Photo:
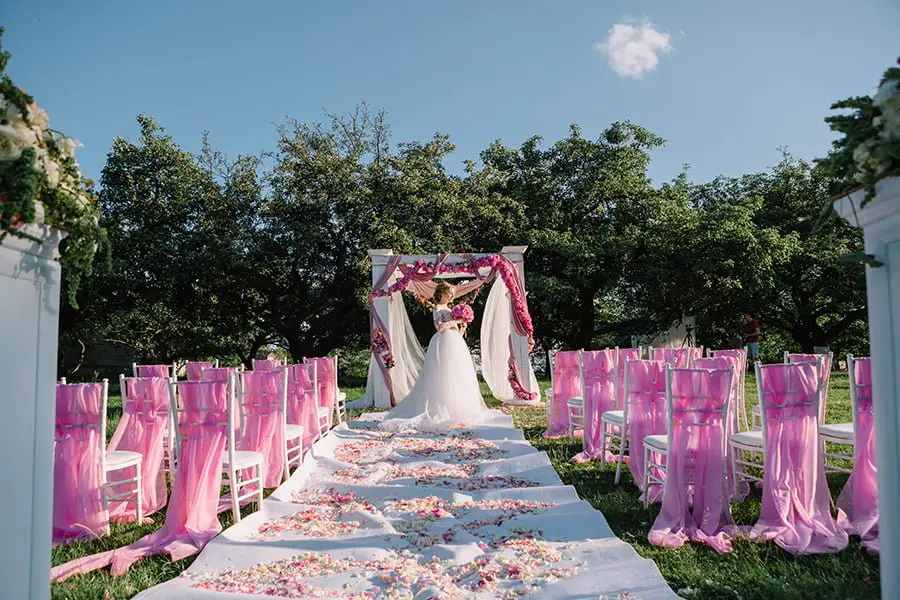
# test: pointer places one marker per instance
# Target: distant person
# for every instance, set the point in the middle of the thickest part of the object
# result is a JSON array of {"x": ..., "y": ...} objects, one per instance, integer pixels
[{"x": 751, "y": 337}]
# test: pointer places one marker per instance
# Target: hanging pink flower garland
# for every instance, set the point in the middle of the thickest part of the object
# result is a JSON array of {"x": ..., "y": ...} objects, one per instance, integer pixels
[{"x": 504, "y": 267}]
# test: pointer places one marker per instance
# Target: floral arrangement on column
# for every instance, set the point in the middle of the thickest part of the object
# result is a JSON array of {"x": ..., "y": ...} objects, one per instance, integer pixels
[
  {"x": 382, "y": 348},
  {"x": 871, "y": 136},
  {"x": 37, "y": 165}
]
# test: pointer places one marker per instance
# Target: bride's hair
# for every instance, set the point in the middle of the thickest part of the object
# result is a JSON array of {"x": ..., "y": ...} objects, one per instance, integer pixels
[{"x": 440, "y": 290}]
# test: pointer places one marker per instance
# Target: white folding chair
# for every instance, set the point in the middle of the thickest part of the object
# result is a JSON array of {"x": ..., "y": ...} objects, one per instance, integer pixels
[
  {"x": 117, "y": 460},
  {"x": 842, "y": 433},
  {"x": 575, "y": 405},
  {"x": 754, "y": 440}
]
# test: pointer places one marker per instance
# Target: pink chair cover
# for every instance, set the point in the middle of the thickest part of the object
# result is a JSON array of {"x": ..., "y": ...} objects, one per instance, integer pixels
[
  {"x": 142, "y": 429},
  {"x": 191, "y": 517},
  {"x": 739, "y": 403},
  {"x": 327, "y": 384},
  {"x": 733, "y": 425},
  {"x": 858, "y": 501},
  {"x": 195, "y": 369},
  {"x": 679, "y": 358},
  {"x": 154, "y": 370},
  {"x": 824, "y": 375},
  {"x": 598, "y": 369},
  {"x": 566, "y": 385},
  {"x": 796, "y": 505},
  {"x": 302, "y": 408},
  {"x": 695, "y": 502},
  {"x": 78, "y": 510},
  {"x": 646, "y": 397},
  {"x": 622, "y": 355},
  {"x": 266, "y": 365},
  {"x": 264, "y": 422}
]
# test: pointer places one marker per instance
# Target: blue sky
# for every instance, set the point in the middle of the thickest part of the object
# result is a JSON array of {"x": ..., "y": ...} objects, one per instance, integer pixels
[{"x": 732, "y": 83}]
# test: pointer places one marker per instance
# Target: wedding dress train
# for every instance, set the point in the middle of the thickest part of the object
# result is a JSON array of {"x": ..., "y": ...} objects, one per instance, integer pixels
[{"x": 446, "y": 393}]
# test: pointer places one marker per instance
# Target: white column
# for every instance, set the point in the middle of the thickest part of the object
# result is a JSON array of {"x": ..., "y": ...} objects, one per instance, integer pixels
[
  {"x": 516, "y": 254},
  {"x": 29, "y": 323},
  {"x": 880, "y": 220},
  {"x": 378, "y": 394}
]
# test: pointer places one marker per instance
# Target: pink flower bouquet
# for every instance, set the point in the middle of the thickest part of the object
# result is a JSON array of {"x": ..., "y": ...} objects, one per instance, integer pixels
[{"x": 462, "y": 312}]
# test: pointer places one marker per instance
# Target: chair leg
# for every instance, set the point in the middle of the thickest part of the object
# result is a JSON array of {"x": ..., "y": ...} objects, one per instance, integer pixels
[
  {"x": 259, "y": 486},
  {"x": 233, "y": 489},
  {"x": 736, "y": 470},
  {"x": 287, "y": 467},
  {"x": 621, "y": 458},
  {"x": 139, "y": 495},
  {"x": 646, "y": 477}
]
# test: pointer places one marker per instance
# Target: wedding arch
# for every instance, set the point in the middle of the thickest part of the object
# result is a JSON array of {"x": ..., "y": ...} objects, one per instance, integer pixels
[{"x": 507, "y": 333}]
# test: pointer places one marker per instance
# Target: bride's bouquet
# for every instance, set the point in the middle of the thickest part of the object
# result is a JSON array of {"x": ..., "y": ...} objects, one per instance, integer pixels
[{"x": 462, "y": 312}]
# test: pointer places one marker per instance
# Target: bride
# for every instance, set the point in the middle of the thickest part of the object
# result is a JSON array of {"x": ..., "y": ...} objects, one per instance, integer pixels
[{"x": 446, "y": 392}]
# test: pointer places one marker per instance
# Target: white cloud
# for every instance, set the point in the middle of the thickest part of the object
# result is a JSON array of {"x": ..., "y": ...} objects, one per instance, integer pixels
[{"x": 634, "y": 48}]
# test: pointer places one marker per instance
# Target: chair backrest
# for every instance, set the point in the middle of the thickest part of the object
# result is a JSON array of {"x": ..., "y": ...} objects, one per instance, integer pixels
[
  {"x": 645, "y": 385},
  {"x": 825, "y": 362},
  {"x": 266, "y": 365},
  {"x": 598, "y": 370},
  {"x": 567, "y": 374},
  {"x": 79, "y": 468},
  {"x": 860, "y": 376},
  {"x": 302, "y": 383},
  {"x": 699, "y": 397},
  {"x": 264, "y": 407},
  {"x": 788, "y": 392},
  {"x": 201, "y": 410},
  {"x": 154, "y": 370},
  {"x": 195, "y": 369},
  {"x": 681, "y": 358},
  {"x": 622, "y": 356}
]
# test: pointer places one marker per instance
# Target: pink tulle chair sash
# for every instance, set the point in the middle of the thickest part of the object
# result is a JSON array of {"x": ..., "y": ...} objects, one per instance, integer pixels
[
  {"x": 646, "y": 413},
  {"x": 681, "y": 358},
  {"x": 566, "y": 385},
  {"x": 796, "y": 503},
  {"x": 599, "y": 380},
  {"x": 264, "y": 418},
  {"x": 858, "y": 501},
  {"x": 302, "y": 407},
  {"x": 327, "y": 381},
  {"x": 695, "y": 504},
  {"x": 266, "y": 365},
  {"x": 195, "y": 369},
  {"x": 142, "y": 429},
  {"x": 78, "y": 478},
  {"x": 154, "y": 370}
]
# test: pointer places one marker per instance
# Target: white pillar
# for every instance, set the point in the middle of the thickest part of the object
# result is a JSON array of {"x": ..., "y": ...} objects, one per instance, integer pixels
[
  {"x": 516, "y": 254},
  {"x": 880, "y": 220},
  {"x": 378, "y": 394},
  {"x": 29, "y": 323}
]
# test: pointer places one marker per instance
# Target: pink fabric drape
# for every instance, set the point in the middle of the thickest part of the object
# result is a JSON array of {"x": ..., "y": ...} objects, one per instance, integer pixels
[
  {"x": 191, "y": 517},
  {"x": 264, "y": 420},
  {"x": 824, "y": 375},
  {"x": 622, "y": 355},
  {"x": 679, "y": 358},
  {"x": 646, "y": 397},
  {"x": 142, "y": 429},
  {"x": 78, "y": 507},
  {"x": 796, "y": 504},
  {"x": 739, "y": 402},
  {"x": 266, "y": 365},
  {"x": 566, "y": 385},
  {"x": 733, "y": 425},
  {"x": 154, "y": 370},
  {"x": 301, "y": 401},
  {"x": 858, "y": 501},
  {"x": 695, "y": 502},
  {"x": 327, "y": 381},
  {"x": 195, "y": 369},
  {"x": 217, "y": 374},
  {"x": 598, "y": 369}
]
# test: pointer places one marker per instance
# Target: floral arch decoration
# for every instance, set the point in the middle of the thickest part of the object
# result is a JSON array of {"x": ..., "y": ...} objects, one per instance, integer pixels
[{"x": 507, "y": 332}]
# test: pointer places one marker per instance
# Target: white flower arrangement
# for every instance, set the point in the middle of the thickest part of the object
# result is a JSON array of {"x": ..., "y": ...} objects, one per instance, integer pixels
[{"x": 37, "y": 165}]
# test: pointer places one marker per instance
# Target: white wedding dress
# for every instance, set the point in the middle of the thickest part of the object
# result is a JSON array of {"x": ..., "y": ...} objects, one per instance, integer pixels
[{"x": 446, "y": 393}]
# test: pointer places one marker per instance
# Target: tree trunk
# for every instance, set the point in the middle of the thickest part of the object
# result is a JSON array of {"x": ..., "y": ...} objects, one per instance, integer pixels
[{"x": 585, "y": 334}]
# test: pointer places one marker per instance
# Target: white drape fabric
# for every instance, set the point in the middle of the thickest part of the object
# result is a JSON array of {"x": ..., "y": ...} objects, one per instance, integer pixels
[{"x": 496, "y": 326}]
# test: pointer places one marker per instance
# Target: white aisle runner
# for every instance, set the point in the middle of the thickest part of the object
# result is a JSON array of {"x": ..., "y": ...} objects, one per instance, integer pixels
[{"x": 475, "y": 513}]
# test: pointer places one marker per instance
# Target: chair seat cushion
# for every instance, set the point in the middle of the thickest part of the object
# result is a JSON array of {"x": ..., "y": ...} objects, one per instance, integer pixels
[
  {"x": 244, "y": 459},
  {"x": 749, "y": 438},
  {"x": 292, "y": 432},
  {"x": 575, "y": 402},
  {"x": 613, "y": 416},
  {"x": 658, "y": 442},
  {"x": 119, "y": 459},
  {"x": 843, "y": 431}
]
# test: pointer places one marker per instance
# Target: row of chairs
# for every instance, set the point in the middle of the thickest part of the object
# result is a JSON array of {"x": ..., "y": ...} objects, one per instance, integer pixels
[{"x": 279, "y": 411}]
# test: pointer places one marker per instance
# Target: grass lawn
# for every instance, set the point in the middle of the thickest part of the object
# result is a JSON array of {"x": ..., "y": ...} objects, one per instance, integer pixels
[{"x": 752, "y": 571}]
